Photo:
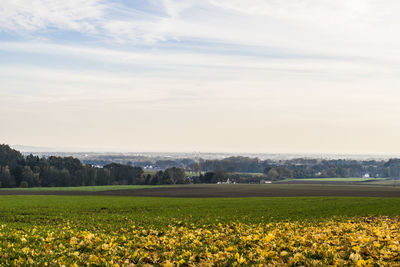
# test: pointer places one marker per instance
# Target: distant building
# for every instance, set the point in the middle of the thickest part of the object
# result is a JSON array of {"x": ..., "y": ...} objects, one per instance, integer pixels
[{"x": 227, "y": 182}]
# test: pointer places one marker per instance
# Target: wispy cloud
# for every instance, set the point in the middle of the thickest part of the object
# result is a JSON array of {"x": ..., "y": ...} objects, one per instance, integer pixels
[
  {"x": 321, "y": 27},
  {"x": 314, "y": 67},
  {"x": 226, "y": 63},
  {"x": 34, "y": 15}
]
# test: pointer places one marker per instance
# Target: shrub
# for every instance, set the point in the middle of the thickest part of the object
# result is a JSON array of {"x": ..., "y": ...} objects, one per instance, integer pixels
[{"x": 24, "y": 184}]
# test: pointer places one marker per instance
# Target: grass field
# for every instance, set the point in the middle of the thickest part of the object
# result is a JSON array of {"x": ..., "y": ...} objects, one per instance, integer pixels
[
  {"x": 96, "y": 230},
  {"x": 350, "y": 179},
  {"x": 92, "y": 211},
  {"x": 97, "y": 188}
]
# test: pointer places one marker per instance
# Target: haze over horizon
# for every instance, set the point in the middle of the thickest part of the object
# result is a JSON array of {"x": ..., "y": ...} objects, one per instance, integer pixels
[
  {"x": 83, "y": 152},
  {"x": 208, "y": 75}
]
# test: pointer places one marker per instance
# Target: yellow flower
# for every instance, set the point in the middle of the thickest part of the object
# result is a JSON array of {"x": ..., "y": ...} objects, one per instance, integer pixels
[
  {"x": 168, "y": 264},
  {"x": 94, "y": 259}
]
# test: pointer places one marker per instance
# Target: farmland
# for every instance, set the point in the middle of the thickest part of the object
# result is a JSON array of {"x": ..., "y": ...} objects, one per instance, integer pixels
[
  {"x": 304, "y": 189},
  {"x": 98, "y": 188},
  {"x": 336, "y": 179},
  {"x": 94, "y": 228}
]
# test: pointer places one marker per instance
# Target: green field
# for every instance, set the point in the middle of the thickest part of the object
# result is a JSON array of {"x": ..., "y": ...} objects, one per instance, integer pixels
[
  {"x": 100, "y": 230},
  {"x": 114, "y": 212},
  {"x": 97, "y": 188},
  {"x": 350, "y": 179}
]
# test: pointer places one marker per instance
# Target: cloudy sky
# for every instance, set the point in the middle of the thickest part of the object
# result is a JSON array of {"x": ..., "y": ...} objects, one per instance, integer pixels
[{"x": 201, "y": 75}]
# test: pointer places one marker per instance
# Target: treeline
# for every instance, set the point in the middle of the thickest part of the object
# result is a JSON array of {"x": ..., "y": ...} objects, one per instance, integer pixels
[
  {"x": 250, "y": 170},
  {"x": 32, "y": 171},
  {"x": 17, "y": 170},
  {"x": 221, "y": 176},
  {"x": 302, "y": 167},
  {"x": 275, "y": 169}
]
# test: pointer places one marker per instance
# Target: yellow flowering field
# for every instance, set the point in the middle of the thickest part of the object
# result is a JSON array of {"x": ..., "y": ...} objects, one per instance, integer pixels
[{"x": 364, "y": 241}]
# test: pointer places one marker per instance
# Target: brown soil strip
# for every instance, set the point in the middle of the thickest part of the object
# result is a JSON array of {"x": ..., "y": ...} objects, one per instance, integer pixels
[
  {"x": 202, "y": 192},
  {"x": 232, "y": 191}
]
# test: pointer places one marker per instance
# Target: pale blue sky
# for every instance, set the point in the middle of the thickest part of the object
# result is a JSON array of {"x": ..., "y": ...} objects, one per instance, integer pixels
[{"x": 204, "y": 75}]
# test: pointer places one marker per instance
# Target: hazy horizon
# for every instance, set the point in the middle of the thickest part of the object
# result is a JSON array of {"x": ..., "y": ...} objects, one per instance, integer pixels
[
  {"x": 82, "y": 152},
  {"x": 255, "y": 76}
]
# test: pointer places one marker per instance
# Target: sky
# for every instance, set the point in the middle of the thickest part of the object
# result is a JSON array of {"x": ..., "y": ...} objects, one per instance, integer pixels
[{"x": 293, "y": 76}]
